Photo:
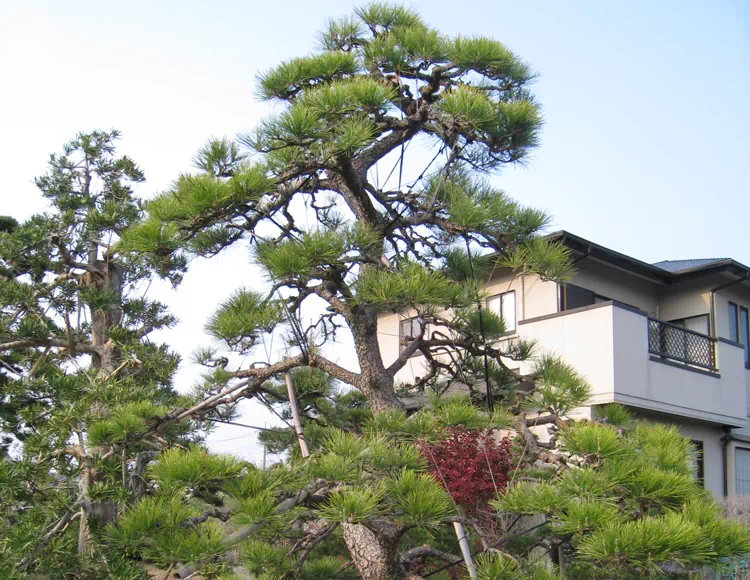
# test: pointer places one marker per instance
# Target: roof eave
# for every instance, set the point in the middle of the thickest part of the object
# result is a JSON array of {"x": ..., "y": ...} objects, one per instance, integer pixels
[{"x": 645, "y": 269}]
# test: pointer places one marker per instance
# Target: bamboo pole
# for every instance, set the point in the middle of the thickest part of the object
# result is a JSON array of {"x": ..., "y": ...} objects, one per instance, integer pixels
[
  {"x": 295, "y": 415},
  {"x": 463, "y": 543}
]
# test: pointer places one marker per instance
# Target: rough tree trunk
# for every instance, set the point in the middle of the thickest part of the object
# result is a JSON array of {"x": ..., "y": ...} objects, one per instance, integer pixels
[
  {"x": 375, "y": 556},
  {"x": 377, "y": 382},
  {"x": 109, "y": 278}
]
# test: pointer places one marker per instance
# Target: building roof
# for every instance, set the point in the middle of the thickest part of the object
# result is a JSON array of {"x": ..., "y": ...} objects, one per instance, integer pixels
[
  {"x": 665, "y": 272},
  {"x": 682, "y": 265}
]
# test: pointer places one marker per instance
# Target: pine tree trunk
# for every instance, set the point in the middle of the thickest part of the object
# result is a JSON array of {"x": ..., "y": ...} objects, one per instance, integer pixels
[
  {"x": 377, "y": 383},
  {"x": 374, "y": 556},
  {"x": 109, "y": 278}
]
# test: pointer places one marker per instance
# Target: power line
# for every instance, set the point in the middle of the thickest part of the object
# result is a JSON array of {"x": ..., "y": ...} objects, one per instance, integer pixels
[{"x": 243, "y": 425}]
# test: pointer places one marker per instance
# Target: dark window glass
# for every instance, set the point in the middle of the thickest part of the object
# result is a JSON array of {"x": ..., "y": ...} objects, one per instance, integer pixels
[
  {"x": 699, "y": 462},
  {"x": 577, "y": 297},
  {"x": 745, "y": 333},
  {"x": 733, "y": 329}
]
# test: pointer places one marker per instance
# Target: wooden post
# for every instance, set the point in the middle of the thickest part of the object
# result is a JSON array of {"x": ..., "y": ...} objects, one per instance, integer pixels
[{"x": 295, "y": 415}]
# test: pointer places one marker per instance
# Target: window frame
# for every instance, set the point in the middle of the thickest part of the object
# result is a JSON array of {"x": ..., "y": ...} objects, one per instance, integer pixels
[
  {"x": 564, "y": 297},
  {"x": 734, "y": 336},
  {"x": 743, "y": 450},
  {"x": 744, "y": 316},
  {"x": 737, "y": 315},
  {"x": 401, "y": 336},
  {"x": 501, "y": 295},
  {"x": 681, "y": 322}
]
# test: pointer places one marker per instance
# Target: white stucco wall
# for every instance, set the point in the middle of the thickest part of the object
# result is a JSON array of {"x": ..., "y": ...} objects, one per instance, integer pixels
[
  {"x": 609, "y": 346},
  {"x": 583, "y": 339},
  {"x": 616, "y": 285},
  {"x": 686, "y": 299},
  {"x": 740, "y": 295},
  {"x": 649, "y": 384},
  {"x": 713, "y": 463}
]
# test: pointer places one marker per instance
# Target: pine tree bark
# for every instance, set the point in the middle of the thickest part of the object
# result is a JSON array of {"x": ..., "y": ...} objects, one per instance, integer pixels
[
  {"x": 108, "y": 279},
  {"x": 376, "y": 381},
  {"x": 375, "y": 556}
]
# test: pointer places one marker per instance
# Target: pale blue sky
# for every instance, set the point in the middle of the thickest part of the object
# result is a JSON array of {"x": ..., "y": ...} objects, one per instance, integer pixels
[{"x": 646, "y": 147}]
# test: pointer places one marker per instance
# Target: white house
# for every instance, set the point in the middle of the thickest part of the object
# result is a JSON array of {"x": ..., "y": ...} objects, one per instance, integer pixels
[{"x": 669, "y": 340}]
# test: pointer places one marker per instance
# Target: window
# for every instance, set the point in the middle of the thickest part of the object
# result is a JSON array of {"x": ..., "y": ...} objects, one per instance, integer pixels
[
  {"x": 739, "y": 328},
  {"x": 684, "y": 346},
  {"x": 407, "y": 330},
  {"x": 698, "y": 465},
  {"x": 734, "y": 333},
  {"x": 576, "y": 297},
  {"x": 742, "y": 471},
  {"x": 505, "y": 306},
  {"x": 745, "y": 333},
  {"x": 694, "y": 323}
]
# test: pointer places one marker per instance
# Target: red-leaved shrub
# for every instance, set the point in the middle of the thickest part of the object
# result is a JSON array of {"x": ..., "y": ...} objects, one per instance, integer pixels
[{"x": 471, "y": 465}]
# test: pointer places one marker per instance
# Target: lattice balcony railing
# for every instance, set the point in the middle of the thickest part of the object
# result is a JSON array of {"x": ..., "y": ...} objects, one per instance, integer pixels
[{"x": 680, "y": 344}]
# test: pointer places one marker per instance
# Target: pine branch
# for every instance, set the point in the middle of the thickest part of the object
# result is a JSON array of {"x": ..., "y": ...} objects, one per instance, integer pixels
[
  {"x": 315, "y": 489},
  {"x": 50, "y": 342},
  {"x": 420, "y": 555},
  {"x": 309, "y": 547},
  {"x": 59, "y": 527},
  {"x": 136, "y": 482}
]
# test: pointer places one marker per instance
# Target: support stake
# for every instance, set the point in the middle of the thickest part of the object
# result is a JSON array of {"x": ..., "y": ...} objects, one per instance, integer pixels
[
  {"x": 465, "y": 551},
  {"x": 295, "y": 415}
]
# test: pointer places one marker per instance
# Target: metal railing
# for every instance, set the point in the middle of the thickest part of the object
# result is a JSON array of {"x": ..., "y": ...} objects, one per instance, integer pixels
[{"x": 680, "y": 344}]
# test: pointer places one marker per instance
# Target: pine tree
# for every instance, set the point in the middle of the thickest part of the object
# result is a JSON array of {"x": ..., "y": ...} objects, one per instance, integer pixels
[
  {"x": 80, "y": 378},
  {"x": 370, "y": 501},
  {"x": 380, "y": 81}
]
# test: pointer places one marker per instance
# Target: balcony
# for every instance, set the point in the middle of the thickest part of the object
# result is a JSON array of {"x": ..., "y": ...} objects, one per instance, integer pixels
[
  {"x": 632, "y": 359},
  {"x": 674, "y": 343}
]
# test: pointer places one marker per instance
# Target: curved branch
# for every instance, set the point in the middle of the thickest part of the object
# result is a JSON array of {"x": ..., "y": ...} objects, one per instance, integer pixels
[
  {"x": 49, "y": 342},
  {"x": 337, "y": 372},
  {"x": 420, "y": 554},
  {"x": 312, "y": 490}
]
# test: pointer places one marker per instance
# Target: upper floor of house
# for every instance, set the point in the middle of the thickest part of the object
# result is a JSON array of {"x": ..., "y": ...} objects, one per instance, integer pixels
[{"x": 670, "y": 337}]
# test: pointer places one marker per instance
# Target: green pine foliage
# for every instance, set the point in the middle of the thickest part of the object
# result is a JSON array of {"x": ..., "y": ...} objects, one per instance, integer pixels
[
  {"x": 383, "y": 78},
  {"x": 622, "y": 511},
  {"x": 81, "y": 383},
  {"x": 109, "y": 477}
]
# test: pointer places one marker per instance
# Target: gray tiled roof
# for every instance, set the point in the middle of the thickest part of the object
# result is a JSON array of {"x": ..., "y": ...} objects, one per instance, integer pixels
[{"x": 680, "y": 265}]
